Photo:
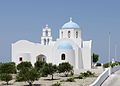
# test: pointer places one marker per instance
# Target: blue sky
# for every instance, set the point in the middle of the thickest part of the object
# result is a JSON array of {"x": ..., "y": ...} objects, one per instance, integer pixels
[{"x": 24, "y": 19}]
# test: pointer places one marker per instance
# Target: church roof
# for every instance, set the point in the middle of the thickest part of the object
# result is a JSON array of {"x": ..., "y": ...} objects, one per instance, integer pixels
[
  {"x": 70, "y": 25},
  {"x": 64, "y": 45}
]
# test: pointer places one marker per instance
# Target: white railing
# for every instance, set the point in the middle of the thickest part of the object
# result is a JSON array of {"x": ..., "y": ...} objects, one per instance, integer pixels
[
  {"x": 101, "y": 78},
  {"x": 114, "y": 69}
]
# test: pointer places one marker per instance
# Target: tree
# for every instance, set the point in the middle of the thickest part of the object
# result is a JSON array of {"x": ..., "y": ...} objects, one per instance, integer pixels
[
  {"x": 49, "y": 69},
  {"x": 5, "y": 77},
  {"x": 8, "y": 68},
  {"x": 95, "y": 57},
  {"x": 28, "y": 74},
  {"x": 39, "y": 65},
  {"x": 65, "y": 68},
  {"x": 24, "y": 65}
]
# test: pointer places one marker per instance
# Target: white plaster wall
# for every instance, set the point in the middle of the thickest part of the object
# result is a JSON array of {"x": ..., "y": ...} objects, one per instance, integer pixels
[
  {"x": 86, "y": 54},
  {"x": 69, "y": 56},
  {"x": 23, "y": 48},
  {"x": 25, "y": 57},
  {"x": 45, "y": 50},
  {"x": 65, "y": 33},
  {"x": 77, "y": 52}
]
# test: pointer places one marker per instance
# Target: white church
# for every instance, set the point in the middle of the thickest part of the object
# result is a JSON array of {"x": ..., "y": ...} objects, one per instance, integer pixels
[{"x": 69, "y": 47}]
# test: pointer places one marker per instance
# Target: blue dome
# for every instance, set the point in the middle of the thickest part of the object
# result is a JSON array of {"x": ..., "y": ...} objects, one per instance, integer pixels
[
  {"x": 64, "y": 45},
  {"x": 70, "y": 25}
]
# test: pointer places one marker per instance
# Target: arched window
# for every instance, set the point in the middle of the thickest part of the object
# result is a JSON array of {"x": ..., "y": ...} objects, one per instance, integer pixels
[
  {"x": 20, "y": 59},
  {"x": 68, "y": 34},
  {"x": 62, "y": 34},
  {"x": 44, "y": 41},
  {"x": 63, "y": 57},
  {"x": 41, "y": 58},
  {"x": 46, "y": 32},
  {"x": 47, "y": 41},
  {"x": 76, "y": 34}
]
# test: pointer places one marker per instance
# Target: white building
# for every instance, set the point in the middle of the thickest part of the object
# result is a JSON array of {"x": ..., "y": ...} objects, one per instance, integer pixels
[{"x": 69, "y": 47}]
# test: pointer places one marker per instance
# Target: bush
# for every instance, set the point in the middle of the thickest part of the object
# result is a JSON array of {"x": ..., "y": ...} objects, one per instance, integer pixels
[
  {"x": 98, "y": 64},
  {"x": 9, "y": 68},
  {"x": 62, "y": 80},
  {"x": 90, "y": 73},
  {"x": 39, "y": 65},
  {"x": 70, "y": 80},
  {"x": 23, "y": 65},
  {"x": 106, "y": 65},
  {"x": 65, "y": 68},
  {"x": 28, "y": 75},
  {"x": 5, "y": 77},
  {"x": 87, "y": 74},
  {"x": 79, "y": 77},
  {"x": 49, "y": 69},
  {"x": 56, "y": 84}
]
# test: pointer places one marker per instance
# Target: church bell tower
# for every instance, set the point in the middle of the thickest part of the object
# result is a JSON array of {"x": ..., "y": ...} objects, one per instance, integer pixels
[{"x": 46, "y": 36}]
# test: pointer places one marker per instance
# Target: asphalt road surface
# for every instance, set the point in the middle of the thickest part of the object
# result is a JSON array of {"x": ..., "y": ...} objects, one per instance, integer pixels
[{"x": 113, "y": 80}]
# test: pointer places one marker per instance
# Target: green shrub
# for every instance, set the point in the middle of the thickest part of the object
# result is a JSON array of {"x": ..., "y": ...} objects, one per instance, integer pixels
[
  {"x": 62, "y": 80},
  {"x": 90, "y": 73},
  {"x": 98, "y": 64},
  {"x": 87, "y": 74},
  {"x": 79, "y": 77},
  {"x": 56, "y": 84},
  {"x": 84, "y": 74},
  {"x": 113, "y": 64},
  {"x": 70, "y": 80},
  {"x": 106, "y": 65},
  {"x": 5, "y": 77}
]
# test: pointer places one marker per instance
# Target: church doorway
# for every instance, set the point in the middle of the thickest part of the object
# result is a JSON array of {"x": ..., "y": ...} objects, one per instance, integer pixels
[{"x": 41, "y": 57}]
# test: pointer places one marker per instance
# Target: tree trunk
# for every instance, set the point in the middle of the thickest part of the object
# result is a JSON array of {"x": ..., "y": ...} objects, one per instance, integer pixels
[
  {"x": 66, "y": 74},
  {"x": 52, "y": 76},
  {"x": 30, "y": 83},
  {"x": 7, "y": 82}
]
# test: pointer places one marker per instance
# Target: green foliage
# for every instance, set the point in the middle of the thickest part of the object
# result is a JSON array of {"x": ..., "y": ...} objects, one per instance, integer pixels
[
  {"x": 98, "y": 64},
  {"x": 49, "y": 69},
  {"x": 5, "y": 77},
  {"x": 80, "y": 77},
  {"x": 39, "y": 65},
  {"x": 65, "y": 68},
  {"x": 8, "y": 68},
  {"x": 95, "y": 57},
  {"x": 28, "y": 74},
  {"x": 70, "y": 80},
  {"x": 62, "y": 80},
  {"x": 106, "y": 65},
  {"x": 87, "y": 74},
  {"x": 56, "y": 84},
  {"x": 23, "y": 65}
]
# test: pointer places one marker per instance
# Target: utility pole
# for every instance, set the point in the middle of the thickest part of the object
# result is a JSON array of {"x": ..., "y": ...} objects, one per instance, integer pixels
[
  {"x": 109, "y": 53},
  {"x": 109, "y": 48},
  {"x": 115, "y": 58}
]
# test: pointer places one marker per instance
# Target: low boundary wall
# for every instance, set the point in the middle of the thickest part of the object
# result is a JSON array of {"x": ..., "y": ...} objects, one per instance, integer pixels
[{"x": 101, "y": 78}]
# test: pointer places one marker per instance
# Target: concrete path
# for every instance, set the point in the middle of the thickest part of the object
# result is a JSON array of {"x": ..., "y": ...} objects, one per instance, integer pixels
[{"x": 113, "y": 80}]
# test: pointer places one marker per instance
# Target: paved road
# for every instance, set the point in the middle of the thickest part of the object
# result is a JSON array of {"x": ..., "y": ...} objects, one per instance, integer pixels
[{"x": 113, "y": 80}]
